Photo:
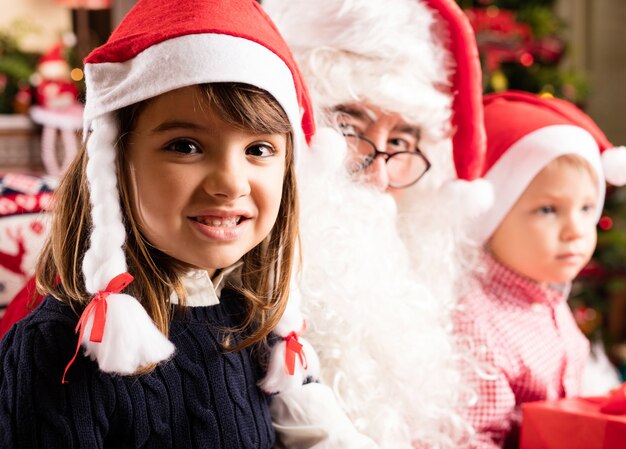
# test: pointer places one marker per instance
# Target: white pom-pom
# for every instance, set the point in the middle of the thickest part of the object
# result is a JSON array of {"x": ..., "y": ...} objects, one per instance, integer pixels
[
  {"x": 471, "y": 198},
  {"x": 130, "y": 340},
  {"x": 292, "y": 320},
  {"x": 614, "y": 165},
  {"x": 278, "y": 379},
  {"x": 329, "y": 146}
]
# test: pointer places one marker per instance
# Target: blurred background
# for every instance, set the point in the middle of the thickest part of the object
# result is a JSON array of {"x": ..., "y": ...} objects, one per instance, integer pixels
[{"x": 571, "y": 49}]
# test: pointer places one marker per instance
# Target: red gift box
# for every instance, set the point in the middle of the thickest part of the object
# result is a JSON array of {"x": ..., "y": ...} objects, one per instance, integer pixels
[{"x": 575, "y": 423}]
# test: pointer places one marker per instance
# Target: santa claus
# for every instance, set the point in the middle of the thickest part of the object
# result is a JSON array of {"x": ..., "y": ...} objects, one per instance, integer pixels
[{"x": 387, "y": 194}]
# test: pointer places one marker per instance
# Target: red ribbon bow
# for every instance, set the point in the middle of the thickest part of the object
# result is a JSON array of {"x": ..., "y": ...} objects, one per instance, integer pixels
[
  {"x": 616, "y": 403},
  {"x": 99, "y": 306},
  {"x": 293, "y": 348}
]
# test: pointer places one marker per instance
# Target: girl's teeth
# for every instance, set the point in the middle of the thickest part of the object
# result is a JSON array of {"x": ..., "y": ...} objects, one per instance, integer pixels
[{"x": 229, "y": 222}]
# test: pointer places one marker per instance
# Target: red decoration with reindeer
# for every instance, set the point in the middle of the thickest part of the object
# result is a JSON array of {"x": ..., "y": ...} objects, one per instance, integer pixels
[{"x": 24, "y": 201}]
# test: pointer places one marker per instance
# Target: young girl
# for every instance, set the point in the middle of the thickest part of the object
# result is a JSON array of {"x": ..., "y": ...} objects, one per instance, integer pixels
[
  {"x": 543, "y": 157},
  {"x": 172, "y": 242}
]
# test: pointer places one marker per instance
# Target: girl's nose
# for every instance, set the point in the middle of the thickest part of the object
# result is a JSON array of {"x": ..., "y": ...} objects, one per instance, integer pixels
[{"x": 227, "y": 177}]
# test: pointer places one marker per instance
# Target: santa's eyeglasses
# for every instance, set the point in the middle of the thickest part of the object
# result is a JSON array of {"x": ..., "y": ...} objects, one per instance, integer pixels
[{"x": 404, "y": 168}]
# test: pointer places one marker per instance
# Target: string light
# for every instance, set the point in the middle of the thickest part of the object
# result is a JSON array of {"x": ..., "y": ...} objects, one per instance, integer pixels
[
  {"x": 76, "y": 74},
  {"x": 499, "y": 81}
]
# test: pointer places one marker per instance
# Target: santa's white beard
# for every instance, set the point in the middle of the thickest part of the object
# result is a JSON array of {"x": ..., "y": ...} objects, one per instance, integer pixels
[
  {"x": 434, "y": 228},
  {"x": 383, "y": 339},
  {"x": 434, "y": 218}
]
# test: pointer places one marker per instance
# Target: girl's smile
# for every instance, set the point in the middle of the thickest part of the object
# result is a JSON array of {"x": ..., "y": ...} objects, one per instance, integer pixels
[{"x": 222, "y": 225}]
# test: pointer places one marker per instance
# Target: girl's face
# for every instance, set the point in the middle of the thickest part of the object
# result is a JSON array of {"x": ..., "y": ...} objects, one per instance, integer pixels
[
  {"x": 205, "y": 193},
  {"x": 550, "y": 233}
]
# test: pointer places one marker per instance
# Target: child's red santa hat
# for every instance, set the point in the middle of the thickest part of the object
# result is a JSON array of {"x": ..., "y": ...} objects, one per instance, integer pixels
[
  {"x": 161, "y": 46},
  {"x": 525, "y": 132},
  {"x": 406, "y": 56}
]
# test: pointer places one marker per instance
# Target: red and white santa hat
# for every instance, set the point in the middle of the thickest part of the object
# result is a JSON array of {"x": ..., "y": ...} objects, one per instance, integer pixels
[
  {"x": 53, "y": 55},
  {"x": 162, "y": 45},
  {"x": 415, "y": 57},
  {"x": 525, "y": 132}
]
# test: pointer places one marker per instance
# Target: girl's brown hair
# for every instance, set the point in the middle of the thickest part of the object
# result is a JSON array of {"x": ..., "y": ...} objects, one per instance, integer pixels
[{"x": 266, "y": 270}]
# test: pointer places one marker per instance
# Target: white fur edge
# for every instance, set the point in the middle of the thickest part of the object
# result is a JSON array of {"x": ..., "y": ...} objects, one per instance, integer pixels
[
  {"x": 328, "y": 144},
  {"x": 472, "y": 197},
  {"x": 130, "y": 340},
  {"x": 614, "y": 164},
  {"x": 186, "y": 61}
]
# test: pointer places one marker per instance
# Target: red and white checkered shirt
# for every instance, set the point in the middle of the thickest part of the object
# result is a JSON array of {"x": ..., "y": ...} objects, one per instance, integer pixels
[{"x": 527, "y": 343}]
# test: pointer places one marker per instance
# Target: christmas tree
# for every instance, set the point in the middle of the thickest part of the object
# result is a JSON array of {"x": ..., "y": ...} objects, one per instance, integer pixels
[
  {"x": 16, "y": 68},
  {"x": 521, "y": 47}
]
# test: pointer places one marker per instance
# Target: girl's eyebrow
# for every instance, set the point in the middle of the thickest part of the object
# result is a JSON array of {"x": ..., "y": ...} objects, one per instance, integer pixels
[{"x": 169, "y": 125}]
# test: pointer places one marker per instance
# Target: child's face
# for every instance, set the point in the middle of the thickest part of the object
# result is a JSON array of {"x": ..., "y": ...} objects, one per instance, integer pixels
[
  {"x": 205, "y": 193},
  {"x": 550, "y": 233}
]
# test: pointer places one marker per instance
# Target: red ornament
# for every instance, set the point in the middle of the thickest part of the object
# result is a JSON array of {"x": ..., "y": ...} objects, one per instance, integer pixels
[
  {"x": 606, "y": 223},
  {"x": 526, "y": 59}
]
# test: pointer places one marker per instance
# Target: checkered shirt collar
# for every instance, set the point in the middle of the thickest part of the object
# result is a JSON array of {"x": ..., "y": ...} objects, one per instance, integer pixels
[{"x": 515, "y": 288}]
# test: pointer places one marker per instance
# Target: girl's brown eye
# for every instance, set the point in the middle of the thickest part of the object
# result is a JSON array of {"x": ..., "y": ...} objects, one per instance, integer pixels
[
  {"x": 183, "y": 146},
  {"x": 260, "y": 150}
]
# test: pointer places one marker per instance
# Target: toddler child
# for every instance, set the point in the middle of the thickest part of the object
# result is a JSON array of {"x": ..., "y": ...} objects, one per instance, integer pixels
[{"x": 544, "y": 160}]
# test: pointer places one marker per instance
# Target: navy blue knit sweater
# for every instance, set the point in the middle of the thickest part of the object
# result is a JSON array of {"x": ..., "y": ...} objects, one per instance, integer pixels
[{"x": 202, "y": 398}]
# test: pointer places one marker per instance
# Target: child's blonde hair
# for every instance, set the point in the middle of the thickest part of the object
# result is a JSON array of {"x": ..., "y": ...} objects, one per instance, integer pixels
[
  {"x": 266, "y": 268},
  {"x": 577, "y": 162}
]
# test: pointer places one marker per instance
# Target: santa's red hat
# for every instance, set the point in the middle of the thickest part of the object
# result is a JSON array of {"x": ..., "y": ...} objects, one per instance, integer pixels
[
  {"x": 524, "y": 133},
  {"x": 407, "y": 56},
  {"x": 467, "y": 111},
  {"x": 162, "y": 45}
]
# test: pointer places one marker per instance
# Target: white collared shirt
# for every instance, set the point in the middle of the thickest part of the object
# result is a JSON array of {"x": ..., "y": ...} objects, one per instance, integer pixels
[{"x": 202, "y": 291}]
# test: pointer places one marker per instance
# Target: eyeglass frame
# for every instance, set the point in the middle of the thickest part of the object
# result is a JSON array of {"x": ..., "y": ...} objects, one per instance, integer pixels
[{"x": 370, "y": 158}]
